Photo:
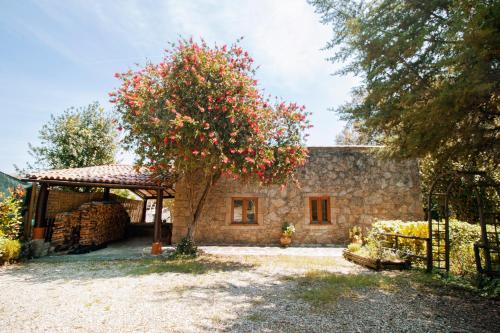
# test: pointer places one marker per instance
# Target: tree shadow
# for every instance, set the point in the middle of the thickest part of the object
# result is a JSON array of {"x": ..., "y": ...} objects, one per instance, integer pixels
[
  {"x": 369, "y": 302},
  {"x": 82, "y": 270}
]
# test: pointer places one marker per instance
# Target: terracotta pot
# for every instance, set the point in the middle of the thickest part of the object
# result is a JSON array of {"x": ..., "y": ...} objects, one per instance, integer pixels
[{"x": 285, "y": 240}]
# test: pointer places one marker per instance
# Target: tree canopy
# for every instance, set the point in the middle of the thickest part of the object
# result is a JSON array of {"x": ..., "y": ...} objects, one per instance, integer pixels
[
  {"x": 199, "y": 115},
  {"x": 430, "y": 74},
  {"x": 80, "y": 137}
]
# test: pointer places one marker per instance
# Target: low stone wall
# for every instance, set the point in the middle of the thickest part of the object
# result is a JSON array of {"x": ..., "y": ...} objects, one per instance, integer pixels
[{"x": 361, "y": 188}]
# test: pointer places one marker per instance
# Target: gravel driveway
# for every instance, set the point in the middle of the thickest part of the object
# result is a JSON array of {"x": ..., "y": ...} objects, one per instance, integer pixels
[{"x": 223, "y": 294}]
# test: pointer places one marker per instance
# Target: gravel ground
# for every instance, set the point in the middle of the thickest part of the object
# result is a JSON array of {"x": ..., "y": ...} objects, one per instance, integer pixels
[{"x": 222, "y": 294}]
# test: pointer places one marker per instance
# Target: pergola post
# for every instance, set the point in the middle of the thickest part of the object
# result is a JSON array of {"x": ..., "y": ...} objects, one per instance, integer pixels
[
  {"x": 38, "y": 244},
  {"x": 40, "y": 213},
  {"x": 156, "y": 247},
  {"x": 144, "y": 208},
  {"x": 105, "y": 196}
]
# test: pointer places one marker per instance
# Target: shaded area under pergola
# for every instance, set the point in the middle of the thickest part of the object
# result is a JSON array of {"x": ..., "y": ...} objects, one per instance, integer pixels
[{"x": 106, "y": 177}]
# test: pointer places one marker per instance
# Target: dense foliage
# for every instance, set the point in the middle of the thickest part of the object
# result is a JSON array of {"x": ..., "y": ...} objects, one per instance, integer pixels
[
  {"x": 80, "y": 137},
  {"x": 10, "y": 213},
  {"x": 199, "y": 115},
  {"x": 462, "y": 238},
  {"x": 10, "y": 223},
  {"x": 430, "y": 74}
]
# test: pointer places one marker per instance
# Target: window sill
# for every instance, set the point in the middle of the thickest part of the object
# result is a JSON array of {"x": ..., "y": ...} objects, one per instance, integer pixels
[
  {"x": 318, "y": 226},
  {"x": 242, "y": 226}
]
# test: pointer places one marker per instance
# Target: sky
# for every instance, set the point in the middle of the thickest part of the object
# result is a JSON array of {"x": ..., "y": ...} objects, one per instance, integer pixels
[{"x": 58, "y": 54}]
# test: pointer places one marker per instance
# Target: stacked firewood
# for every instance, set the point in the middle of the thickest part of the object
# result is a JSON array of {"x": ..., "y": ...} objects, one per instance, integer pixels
[
  {"x": 92, "y": 224},
  {"x": 102, "y": 222},
  {"x": 61, "y": 233}
]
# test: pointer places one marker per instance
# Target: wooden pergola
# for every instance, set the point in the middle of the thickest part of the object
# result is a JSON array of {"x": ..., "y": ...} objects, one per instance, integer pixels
[{"x": 106, "y": 177}]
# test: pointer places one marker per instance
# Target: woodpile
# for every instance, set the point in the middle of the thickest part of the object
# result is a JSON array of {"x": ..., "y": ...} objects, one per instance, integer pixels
[
  {"x": 92, "y": 224},
  {"x": 102, "y": 222}
]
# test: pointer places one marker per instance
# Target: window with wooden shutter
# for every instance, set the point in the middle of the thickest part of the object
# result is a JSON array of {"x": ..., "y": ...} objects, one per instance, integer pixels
[
  {"x": 319, "y": 208},
  {"x": 244, "y": 210}
]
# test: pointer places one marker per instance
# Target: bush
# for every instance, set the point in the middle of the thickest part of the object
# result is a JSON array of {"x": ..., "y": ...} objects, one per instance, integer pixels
[
  {"x": 354, "y": 247},
  {"x": 10, "y": 213},
  {"x": 9, "y": 250},
  {"x": 186, "y": 247}
]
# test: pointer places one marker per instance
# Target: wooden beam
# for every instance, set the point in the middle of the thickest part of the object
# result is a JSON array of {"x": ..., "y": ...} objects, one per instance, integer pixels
[
  {"x": 41, "y": 211},
  {"x": 156, "y": 247},
  {"x": 98, "y": 184}
]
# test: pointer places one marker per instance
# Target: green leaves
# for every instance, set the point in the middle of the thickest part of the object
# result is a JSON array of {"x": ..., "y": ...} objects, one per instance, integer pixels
[
  {"x": 430, "y": 71},
  {"x": 80, "y": 137}
]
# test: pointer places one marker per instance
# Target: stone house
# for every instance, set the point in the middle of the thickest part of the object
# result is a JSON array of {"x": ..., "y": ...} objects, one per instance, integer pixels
[{"x": 340, "y": 187}]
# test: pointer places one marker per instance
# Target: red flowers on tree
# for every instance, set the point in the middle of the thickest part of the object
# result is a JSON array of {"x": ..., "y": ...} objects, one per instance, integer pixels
[{"x": 199, "y": 112}]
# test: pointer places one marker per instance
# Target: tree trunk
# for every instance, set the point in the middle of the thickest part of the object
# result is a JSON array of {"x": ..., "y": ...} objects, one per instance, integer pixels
[{"x": 199, "y": 207}]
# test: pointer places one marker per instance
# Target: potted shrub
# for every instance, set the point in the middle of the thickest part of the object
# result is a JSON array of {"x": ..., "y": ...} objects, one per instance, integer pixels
[
  {"x": 356, "y": 235},
  {"x": 287, "y": 230}
]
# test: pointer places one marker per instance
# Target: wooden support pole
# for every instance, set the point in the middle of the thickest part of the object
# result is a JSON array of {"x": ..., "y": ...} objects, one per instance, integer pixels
[
  {"x": 144, "y": 208},
  {"x": 106, "y": 196},
  {"x": 40, "y": 214},
  {"x": 31, "y": 211},
  {"x": 156, "y": 247}
]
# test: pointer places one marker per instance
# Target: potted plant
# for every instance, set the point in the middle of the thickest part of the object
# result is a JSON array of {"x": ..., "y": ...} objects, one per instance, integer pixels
[
  {"x": 287, "y": 230},
  {"x": 356, "y": 235}
]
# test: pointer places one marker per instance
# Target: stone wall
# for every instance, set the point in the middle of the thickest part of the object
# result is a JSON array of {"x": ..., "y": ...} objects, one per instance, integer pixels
[{"x": 361, "y": 188}]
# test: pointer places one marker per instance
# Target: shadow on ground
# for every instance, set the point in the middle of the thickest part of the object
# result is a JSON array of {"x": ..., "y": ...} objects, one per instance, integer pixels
[
  {"x": 332, "y": 302},
  {"x": 46, "y": 271}
]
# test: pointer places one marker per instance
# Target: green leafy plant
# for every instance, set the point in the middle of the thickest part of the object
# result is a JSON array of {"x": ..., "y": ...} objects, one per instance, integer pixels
[
  {"x": 186, "y": 247},
  {"x": 10, "y": 213},
  {"x": 288, "y": 229},
  {"x": 80, "y": 137}
]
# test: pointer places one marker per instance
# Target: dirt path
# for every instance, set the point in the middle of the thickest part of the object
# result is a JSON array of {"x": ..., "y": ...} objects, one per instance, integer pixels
[{"x": 230, "y": 294}]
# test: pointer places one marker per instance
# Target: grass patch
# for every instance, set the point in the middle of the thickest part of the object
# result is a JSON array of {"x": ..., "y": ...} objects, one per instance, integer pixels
[
  {"x": 255, "y": 317},
  {"x": 183, "y": 264},
  {"x": 301, "y": 262},
  {"x": 319, "y": 287}
]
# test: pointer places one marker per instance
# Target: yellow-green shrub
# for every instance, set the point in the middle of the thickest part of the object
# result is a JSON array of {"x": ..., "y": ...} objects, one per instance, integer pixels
[
  {"x": 354, "y": 247},
  {"x": 9, "y": 249},
  {"x": 462, "y": 238}
]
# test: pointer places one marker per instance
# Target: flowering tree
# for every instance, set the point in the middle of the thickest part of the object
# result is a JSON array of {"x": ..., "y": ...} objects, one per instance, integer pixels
[{"x": 198, "y": 115}]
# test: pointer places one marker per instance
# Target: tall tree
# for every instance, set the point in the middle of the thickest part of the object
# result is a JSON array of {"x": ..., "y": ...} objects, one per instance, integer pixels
[
  {"x": 198, "y": 115},
  {"x": 430, "y": 74},
  {"x": 80, "y": 137}
]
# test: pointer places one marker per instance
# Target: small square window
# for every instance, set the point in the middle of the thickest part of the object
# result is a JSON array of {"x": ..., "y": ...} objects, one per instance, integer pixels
[
  {"x": 319, "y": 208},
  {"x": 244, "y": 211}
]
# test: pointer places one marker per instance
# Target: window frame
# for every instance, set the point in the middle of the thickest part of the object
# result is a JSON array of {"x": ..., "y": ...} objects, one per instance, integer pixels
[
  {"x": 244, "y": 220},
  {"x": 320, "y": 213}
]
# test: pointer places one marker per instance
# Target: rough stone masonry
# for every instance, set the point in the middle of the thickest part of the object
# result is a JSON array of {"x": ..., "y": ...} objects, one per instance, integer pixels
[{"x": 360, "y": 186}]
